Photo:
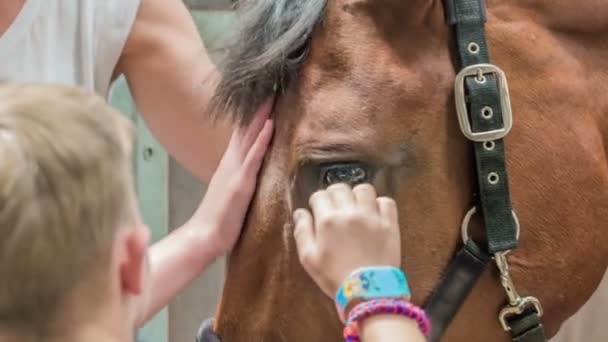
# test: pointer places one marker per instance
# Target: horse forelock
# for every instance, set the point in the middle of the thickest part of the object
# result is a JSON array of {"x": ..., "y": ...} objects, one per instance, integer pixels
[{"x": 263, "y": 53}]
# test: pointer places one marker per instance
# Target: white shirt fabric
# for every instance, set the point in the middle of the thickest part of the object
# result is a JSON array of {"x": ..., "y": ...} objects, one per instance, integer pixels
[{"x": 69, "y": 42}]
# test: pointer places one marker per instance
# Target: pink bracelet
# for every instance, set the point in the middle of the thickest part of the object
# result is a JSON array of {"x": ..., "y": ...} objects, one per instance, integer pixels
[
  {"x": 351, "y": 334},
  {"x": 384, "y": 306}
]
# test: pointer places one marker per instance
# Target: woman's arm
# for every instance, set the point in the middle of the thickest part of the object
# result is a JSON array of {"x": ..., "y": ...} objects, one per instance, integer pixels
[
  {"x": 171, "y": 77},
  {"x": 181, "y": 257}
]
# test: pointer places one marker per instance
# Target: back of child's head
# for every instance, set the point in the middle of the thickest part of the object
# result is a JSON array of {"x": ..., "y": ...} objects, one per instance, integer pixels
[{"x": 65, "y": 191}]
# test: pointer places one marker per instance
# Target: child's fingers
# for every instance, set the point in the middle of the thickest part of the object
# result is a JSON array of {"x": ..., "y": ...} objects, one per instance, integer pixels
[
  {"x": 388, "y": 209},
  {"x": 365, "y": 195},
  {"x": 256, "y": 153},
  {"x": 320, "y": 203},
  {"x": 341, "y": 195},
  {"x": 305, "y": 236}
]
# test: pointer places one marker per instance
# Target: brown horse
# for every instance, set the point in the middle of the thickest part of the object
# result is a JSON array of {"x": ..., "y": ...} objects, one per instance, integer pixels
[{"x": 366, "y": 94}]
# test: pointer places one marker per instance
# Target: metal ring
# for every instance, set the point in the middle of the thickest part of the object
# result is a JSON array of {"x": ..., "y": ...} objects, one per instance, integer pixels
[
  {"x": 464, "y": 227},
  {"x": 493, "y": 178},
  {"x": 473, "y": 48},
  {"x": 487, "y": 112},
  {"x": 489, "y": 145}
]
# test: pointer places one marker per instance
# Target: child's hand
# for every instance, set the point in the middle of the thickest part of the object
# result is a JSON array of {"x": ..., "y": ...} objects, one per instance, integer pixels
[
  {"x": 348, "y": 229},
  {"x": 232, "y": 186}
]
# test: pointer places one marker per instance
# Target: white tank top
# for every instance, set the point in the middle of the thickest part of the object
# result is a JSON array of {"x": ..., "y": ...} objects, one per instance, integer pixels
[{"x": 70, "y": 42}]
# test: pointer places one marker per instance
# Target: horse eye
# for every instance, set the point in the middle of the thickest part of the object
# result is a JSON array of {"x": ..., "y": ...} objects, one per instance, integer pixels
[{"x": 349, "y": 173}]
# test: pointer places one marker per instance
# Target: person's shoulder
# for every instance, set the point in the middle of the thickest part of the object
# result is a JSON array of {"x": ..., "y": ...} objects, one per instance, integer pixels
[
  {"x": 162, "y": 21},
  {"x": 113, "y": 19},
  {"x": 163, "y": 32},
  {"x": 113, "y": 8},
  {"x": 161, "y": 10}
]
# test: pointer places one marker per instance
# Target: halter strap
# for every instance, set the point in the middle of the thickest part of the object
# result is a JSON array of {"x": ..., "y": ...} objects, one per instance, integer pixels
[
  {"x": 484, "y": 114},
  {"x": 459, "y": 280}
]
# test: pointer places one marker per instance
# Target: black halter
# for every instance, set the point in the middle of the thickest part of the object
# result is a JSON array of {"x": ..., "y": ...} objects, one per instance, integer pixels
[{"x": 485, "y": 118}]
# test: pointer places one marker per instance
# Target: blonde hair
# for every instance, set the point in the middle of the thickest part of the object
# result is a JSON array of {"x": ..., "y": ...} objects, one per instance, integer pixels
[{"x": 65, "y": 188}]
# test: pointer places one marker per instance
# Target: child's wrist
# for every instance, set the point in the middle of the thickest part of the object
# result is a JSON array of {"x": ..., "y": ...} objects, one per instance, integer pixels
[
  {"x": 382, "y": 307},
  {"x": 368, "y": 283},
  {"x": 372, "y": 291},
  {"x": 384, "y": 326}
]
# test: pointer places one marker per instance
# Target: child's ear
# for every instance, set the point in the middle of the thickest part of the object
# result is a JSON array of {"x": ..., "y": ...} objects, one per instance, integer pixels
[{"x": 133, "y": 263}]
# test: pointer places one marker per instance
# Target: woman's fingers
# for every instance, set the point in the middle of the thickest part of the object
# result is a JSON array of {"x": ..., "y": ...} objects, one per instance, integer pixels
[
  {"x": 248, "y": 135},
  {"x": 256, "y": 153}
]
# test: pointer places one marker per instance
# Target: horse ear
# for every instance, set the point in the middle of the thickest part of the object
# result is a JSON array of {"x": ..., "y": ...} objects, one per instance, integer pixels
[{"x": 205, "y": 332}]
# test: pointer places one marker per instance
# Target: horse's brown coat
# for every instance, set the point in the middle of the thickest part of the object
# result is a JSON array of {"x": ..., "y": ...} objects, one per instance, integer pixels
[{"x": 377, "y": 88}]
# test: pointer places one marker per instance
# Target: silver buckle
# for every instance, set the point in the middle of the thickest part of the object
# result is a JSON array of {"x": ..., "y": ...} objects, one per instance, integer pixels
[
  {"x": 517, "y": 304},
  {"x": 479, "y": 70}
]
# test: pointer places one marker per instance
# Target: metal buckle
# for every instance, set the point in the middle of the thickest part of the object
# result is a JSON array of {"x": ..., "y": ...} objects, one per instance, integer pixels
[
  {"x": 517, "y": 304},
  {"x": 479, "y": 70}
]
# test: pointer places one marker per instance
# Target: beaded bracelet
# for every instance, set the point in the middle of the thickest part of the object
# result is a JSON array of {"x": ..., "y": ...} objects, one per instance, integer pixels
[
  {"x": 384, "y": 306},
  {"x": 351, "y": 334}
]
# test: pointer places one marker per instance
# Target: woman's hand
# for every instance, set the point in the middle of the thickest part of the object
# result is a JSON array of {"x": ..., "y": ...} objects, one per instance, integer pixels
[
  {"x": 180, "y": 257},
  {"x": 348, "y": 229},
  {"x": 229, "y": 193}
]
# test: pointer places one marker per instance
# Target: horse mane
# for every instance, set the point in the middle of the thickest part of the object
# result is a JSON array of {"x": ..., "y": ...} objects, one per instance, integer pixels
[{"x": 263, "y": 53}]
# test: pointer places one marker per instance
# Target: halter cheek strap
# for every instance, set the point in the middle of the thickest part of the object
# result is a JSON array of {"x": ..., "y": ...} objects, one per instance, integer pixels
[{"x": 485, "y": 118}]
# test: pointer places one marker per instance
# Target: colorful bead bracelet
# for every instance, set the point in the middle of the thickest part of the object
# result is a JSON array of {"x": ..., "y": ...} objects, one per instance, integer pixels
[{"x": 384, "y": 306}]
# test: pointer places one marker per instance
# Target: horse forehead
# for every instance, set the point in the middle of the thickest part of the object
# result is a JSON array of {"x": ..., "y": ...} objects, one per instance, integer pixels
[
  {"x": 355, "y": 57},
  {"x": 372, "y": 99}
]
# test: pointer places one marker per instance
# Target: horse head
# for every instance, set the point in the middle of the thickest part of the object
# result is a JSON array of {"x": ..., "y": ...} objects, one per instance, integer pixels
[{"x": 366, "y": 94}]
